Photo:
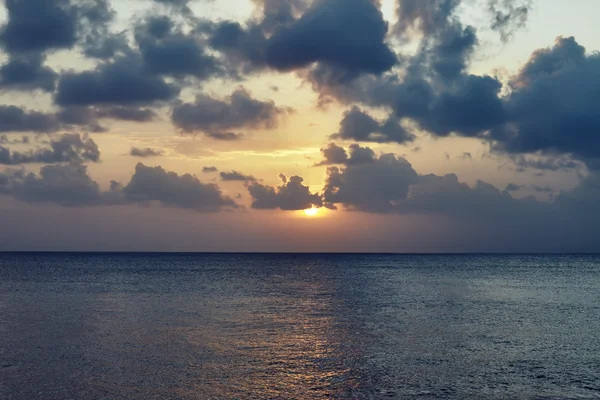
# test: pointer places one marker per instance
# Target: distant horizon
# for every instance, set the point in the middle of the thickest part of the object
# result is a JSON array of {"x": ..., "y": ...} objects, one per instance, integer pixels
[{"x": 288, "y": 253}]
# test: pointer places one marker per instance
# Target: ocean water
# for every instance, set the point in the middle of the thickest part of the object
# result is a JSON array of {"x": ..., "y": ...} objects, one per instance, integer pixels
[{"x": 184, "y": 326}]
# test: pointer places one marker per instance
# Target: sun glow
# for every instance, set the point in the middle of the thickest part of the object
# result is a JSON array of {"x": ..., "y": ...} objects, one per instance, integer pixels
[{"x": 311, "y": 212}]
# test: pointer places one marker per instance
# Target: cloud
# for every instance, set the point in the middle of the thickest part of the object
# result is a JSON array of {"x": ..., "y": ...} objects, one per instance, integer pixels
[
  {"x": 27, "y": 73},
  {"x": 119, "y": 82},
  {"x": 334, "y": 154},
  {"x": 64, "y": 184},
  {"x": 37, "y": 26},
  {"x": 291, "y": 195},
  {"x": 154, "y": 184},
  {"x": 147, "y": 152},
  {"x": 551, "y": 109},
  {"x": 216, "y": 117},
  {"x": 15, "y": 119},
  {"x": 70, "y": 185},
  {"x": 68, "y": 148},
  {"x": 166, "y": 50},
  {"x": 360, "y": 126},
  {"x": 208, "y": 170},
  {"x": 553, "y": 163},
  {"x": 512, "y": 187},
  {"x": 508, "y": 16},
  {"x": 236, "y": 176},
  {"x": 327, "y": 33},
  {"x": 372, "y": 187},
  {"x": 243, "y": 47},
  {"x": 5, "y": 140}
]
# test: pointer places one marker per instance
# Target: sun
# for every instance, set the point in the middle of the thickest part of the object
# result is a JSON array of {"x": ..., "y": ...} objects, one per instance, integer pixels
[{"x": 311, "y": 212}]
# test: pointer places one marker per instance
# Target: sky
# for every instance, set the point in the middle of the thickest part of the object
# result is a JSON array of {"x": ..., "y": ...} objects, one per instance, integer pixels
[{"x": 300, "y": 125}]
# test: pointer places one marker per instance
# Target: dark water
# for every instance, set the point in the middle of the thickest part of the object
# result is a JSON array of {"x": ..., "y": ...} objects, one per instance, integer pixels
[{"x": 299, "y": 327}]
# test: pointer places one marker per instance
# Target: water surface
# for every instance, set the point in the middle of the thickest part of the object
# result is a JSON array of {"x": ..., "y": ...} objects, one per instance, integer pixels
[{"x": 185, "y": 326}]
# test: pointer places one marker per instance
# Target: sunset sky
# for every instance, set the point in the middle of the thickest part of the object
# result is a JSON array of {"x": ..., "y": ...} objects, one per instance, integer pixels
[{"x": 217, "y": 125}]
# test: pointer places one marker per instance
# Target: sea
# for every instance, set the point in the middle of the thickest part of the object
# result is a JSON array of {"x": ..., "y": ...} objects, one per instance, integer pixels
[{"x": 299, "y": 326}]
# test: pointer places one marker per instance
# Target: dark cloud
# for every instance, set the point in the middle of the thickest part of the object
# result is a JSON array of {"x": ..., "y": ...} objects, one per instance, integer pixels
[
  {"x": 65, "y": 184},
  {"x": 291, "y": 195},
  {"x": 208, "y": 170},
  {"x": 68, "y": 148},
  {"x": 121, "y": 82},
  {"x": 425, "y": 16},
  {"x": 154, "y": 184},
  {"x": 216, "y": 117},
  {"x": 236, "y": 176},
  {"x": 445, "y": 195},
  {"x": 327, "y": 33},
  {"x": 39, "y": 25},
  {"x": 36, "y": 26},
  {"x": 15, "y": 119},
  {"x": 166, "y": 50},
  {"x": 430, "y": 17},
  {"x": 334, "y": 154},
  {"x": 374, "y": 187},
  {"x": 435, "y": 90},
  {"x": 147, "y": 152},
  {"x": 85, "y": 117},
  {"x": 27, "y": 72},
  {"x": 360, "y": 126},
  {"x": 552, "y": 108},
  {"x": 70, "y": 185},
  {"x": 508, "y": 16},
  {"x": 243, "y": 47},
  {"x": 512, "y": 187},
  {"x": 543, "y": 189},
  {"x": 466, "y": 156}
]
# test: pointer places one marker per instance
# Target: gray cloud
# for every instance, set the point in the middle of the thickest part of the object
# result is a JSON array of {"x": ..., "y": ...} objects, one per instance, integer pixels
[
  {"x": 208, "y": 170},
  {"x": 508, "y": 16},
  {"x": 37, "y": 26},
  {"x": 360, "y": 126},
  {"x": 551, "y": 109},
  {"x": 147, "y": 152},
  {"x": 15, "y": 119},
  {"x": 166, "y": 50},
  {"x": 334, "y": 154},
  {"x": 68, "y": 148},
  {"x": 327, "y": 33},
  {"x": 236, "y": 176},
  {"x": 27, "y": 72},
  {"x": 372, "y": 187},
  {"x": 64, "y": 184},
  {"x": 512, "y": 187},
  {"x": 120, "y": 82},
  {"x": 70, "y": 185},
  {"x": 154, "y": 184},
  {"x": 291, "y": 195},
  {"x": 216, "y": 117}
]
